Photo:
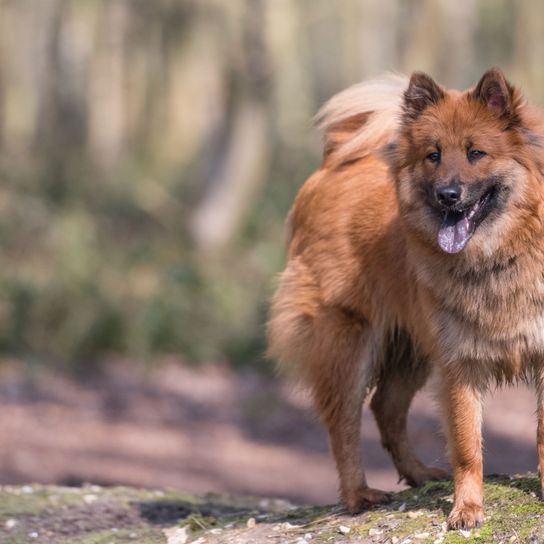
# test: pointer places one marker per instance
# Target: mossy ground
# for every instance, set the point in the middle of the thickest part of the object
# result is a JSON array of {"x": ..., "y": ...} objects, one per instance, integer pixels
[{"x": 97, "y": 515}]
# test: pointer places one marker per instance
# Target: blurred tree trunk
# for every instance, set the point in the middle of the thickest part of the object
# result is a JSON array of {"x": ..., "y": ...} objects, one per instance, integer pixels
[
  {"x": 61, "y": 115},
  {"x": 420, "y": 32},
  {"x": 240, "y": 167},
  {"x": 107, "y": 91},
  {"x": 20, "y": 92},
  {"x": 437, "y": 36},
  {"x": 529, "y": 47},
  {"x": 458, "y": 27},
  {"x": 49, "y": 70},
  {"x": 292, "y": 88},
  {"x": 378, "y": 35}
]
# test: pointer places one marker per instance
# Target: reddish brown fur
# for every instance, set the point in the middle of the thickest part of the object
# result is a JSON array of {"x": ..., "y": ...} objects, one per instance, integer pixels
[{"x": 369, "y": 300}]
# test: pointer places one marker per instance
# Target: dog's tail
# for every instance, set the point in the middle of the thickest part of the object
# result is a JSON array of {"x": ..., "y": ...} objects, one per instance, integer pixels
[{"x": 362, "y": 119}]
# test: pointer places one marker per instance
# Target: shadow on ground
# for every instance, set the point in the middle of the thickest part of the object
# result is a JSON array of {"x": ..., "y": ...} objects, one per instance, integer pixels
[{"x": 210, "y": 429}]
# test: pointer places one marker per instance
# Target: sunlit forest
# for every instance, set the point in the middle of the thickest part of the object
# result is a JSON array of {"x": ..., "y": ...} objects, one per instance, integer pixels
[{"x": 150, "y": 150}]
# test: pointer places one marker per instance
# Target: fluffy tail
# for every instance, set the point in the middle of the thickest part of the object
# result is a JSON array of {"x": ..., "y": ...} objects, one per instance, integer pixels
[{"x": 362, "y": 119}]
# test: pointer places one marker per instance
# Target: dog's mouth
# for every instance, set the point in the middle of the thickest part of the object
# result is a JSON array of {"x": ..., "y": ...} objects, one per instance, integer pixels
[{"x": 458, "y": 225}]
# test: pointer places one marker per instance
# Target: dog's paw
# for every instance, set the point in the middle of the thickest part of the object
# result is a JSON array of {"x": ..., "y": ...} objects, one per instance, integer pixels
[
  {"x": 466, "y": 516},
  {"x": 422, "y": 474},
  {"x": 364, "y": 498}
]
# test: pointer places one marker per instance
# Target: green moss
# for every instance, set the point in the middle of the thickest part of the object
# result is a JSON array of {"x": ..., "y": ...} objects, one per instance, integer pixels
[
  {"x": 26, "y": 500},
  {"x": 527, "y": 484},
  {"x": 511, "y": 509},
  {"x": 141, "y": 536}
]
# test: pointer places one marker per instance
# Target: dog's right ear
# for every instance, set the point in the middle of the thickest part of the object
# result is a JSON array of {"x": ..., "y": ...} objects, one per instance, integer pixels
[
  {"x": 499, "y": 96},
  {"x": 422, "y": 92}
]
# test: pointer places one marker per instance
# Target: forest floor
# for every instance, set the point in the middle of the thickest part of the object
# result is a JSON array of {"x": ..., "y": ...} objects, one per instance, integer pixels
[
  {"x": 119, "y": 515},
  {"x": 205, "y": 429}
]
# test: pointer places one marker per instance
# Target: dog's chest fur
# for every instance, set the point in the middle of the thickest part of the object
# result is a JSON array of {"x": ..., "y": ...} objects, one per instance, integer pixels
[{"x": 489, "y": 319}]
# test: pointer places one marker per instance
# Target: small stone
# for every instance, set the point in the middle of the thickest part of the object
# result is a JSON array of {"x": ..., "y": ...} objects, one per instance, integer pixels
[
  {"x": 407, "y": 541},
  {"x": 375, "y": 532},
  {"x": 439, "y": 540},
  {"x": 251, "y": 523},
  {"x": 33, "y": 535},
  {"x": 464, "y": 533},
  {"x": 513, "y": 538},
  {"x": 414, "y": 515},
  {"x": 308, "y": 536},
  {"x": 422, "y": 536},
  {"x": 395, "y": 540},
  {"x": 287, "y": 526},
  {"x": 176, "y": 535},
  {"x": 402, "y": 507},
  {"x": 133, "y": 536},
  {"x": 10, "y": 524},
  {"x": 90, "y": 498},
  {"x": 344, "y": 530},
  {"x": 301, "y": 540},
  {"x": 27, "y": 489}
]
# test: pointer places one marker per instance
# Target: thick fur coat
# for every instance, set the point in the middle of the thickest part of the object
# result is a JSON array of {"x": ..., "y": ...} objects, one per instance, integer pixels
[{"x": 416, "y": 248}]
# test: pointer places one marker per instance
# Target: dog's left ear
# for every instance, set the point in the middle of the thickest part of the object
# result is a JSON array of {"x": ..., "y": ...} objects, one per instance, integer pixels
[
  {"x": 498, "y": 95},
  {"x": 421, "y": 93}
]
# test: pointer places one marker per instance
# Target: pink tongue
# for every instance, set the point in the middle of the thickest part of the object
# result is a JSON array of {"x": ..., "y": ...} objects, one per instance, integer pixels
[{"x": 454, "y": 234}]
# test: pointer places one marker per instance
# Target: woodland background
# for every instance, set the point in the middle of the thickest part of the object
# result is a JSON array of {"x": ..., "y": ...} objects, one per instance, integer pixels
[{"x": 149, "y": 152}]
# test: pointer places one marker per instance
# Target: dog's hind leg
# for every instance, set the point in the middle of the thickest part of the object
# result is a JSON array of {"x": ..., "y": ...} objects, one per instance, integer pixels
[
  {"x": 339, "y": 387},
  {"x": 401, "y": 376},
  {"x": 331, "y": 352}
]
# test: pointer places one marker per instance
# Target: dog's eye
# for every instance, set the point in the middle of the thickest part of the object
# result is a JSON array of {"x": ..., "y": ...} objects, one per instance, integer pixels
[
  {"x": 475, "y": 154},
  {"x": 433, "y": 157}
]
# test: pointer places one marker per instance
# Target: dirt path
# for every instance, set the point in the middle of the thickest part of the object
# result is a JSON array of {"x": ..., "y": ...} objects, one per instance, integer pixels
[
  {"x": 121, "y": 515},
  {"x": 210, "y": 430}
]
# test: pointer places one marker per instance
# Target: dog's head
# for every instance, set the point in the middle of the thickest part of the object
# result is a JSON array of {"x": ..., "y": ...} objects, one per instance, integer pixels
[{"x": 464, "y": 164}]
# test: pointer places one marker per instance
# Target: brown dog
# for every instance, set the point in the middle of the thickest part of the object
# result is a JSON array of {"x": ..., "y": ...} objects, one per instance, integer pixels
[{"x": 417, "y": 246}]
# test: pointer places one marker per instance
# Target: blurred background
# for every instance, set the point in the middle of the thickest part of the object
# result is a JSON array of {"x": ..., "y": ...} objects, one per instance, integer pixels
[{"x": 149, "y": 152}]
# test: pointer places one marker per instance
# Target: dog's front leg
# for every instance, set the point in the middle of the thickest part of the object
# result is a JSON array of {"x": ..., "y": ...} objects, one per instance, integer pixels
[
  {"x": 463, "y": 417},
  {"x": 540, "y": 435}
]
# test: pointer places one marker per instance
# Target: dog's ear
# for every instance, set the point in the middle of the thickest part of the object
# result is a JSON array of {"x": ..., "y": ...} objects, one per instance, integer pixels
[
  {"x": 422, "y": 91},
  {"x": 498, "y": 95}
]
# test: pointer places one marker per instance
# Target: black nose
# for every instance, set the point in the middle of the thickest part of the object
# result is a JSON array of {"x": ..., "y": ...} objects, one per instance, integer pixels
[{"x": 448, "y": 195}]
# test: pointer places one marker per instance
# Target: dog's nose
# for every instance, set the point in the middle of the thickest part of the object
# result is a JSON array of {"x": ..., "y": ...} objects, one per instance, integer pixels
[{"x": 448, "y": 195}]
